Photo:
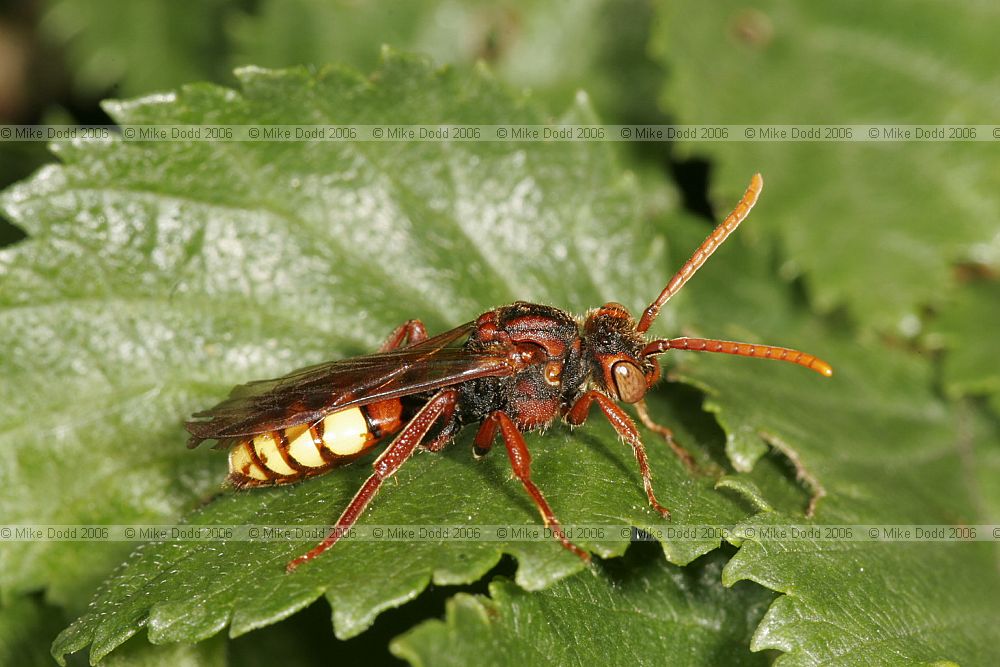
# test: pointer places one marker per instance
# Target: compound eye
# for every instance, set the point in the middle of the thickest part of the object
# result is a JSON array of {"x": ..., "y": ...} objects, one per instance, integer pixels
[{"x": 630, "y": 383}]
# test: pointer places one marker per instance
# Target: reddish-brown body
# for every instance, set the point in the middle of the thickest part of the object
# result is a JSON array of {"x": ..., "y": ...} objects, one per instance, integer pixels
[{"x": 515, "y": 368}]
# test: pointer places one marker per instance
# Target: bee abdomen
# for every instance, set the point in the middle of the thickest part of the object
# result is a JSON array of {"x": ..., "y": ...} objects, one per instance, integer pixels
[{"x": 291, "y": 454}]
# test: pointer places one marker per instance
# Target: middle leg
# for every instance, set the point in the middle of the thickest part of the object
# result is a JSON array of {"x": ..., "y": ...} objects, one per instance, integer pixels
[
  {"x": 520, "y": 462},
  {"x": 668, "y": 435}
]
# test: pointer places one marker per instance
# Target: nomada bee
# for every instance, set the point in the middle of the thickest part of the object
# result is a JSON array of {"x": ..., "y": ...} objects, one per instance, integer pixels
[{"x": 513, "y": 369}]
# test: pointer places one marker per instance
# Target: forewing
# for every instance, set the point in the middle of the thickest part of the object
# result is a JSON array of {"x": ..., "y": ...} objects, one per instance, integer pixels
[{"x": 308, "y": 394}]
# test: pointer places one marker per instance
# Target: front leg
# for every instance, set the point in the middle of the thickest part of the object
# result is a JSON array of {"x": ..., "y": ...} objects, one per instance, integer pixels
[{"x": 625, "y": 427}]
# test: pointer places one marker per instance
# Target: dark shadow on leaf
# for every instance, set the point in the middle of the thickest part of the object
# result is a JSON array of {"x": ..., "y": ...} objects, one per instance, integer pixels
[{"x": 307, "y": 637}]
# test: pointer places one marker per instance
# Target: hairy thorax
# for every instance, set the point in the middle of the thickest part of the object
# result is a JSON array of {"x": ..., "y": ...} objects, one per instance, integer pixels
[{"x": 537, "y": 395}]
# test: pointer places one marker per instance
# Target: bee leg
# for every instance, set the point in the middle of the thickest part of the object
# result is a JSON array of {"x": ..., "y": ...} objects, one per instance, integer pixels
[
  {"x": 483, "y": 443},
  {"x": 412, "y": 331},
  {"x": 668, "y": 435},
  {"x": 520, "y": 462},
  {"x": 622, "y": 423},
  {"x": 386, "y": 465},
  {"x": 447, "y": 434}
]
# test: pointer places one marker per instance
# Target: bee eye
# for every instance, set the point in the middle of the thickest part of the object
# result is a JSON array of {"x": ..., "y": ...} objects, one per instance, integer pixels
[{"x": 630, "y": 383}]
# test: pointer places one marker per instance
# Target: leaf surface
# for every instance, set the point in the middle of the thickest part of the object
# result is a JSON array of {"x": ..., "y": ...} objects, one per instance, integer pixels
[
  {"x": 884, "y": 448},
  {"x": 137, "y": 47},
  {"x": 636, "y": 610},
  {"x": 524, "y": 42},
  {"x": 175, "y": 270},
  {"x": 969, "y": 365},
  {"x": 872, "y": 227}
]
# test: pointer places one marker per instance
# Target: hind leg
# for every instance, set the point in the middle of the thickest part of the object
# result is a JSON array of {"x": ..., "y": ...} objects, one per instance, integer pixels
[
  {"x": 385, "y": 466},
  {"x": 412, "y": 331}
]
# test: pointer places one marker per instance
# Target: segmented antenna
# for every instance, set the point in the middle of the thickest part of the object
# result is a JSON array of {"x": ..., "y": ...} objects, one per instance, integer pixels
[
  {"x": 741, "y": 349},
  {"x": 704, "y": 251}
]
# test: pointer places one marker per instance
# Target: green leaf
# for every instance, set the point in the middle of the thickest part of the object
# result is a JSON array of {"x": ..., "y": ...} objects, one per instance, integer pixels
[
  {"x": 184, "y": 592},
  {"x": 306, "y": 640},
  {"x": 863, "y": 604},
  {"x": 158, "y": 45},
  {"x": 27, "y": 626},
  {"x": 137, "y": 47},
  {"x": 635, "y": 610},
  {"x": 139, "y": 653},
  {"x": 872, "y": 227},
  {"x": 969, "y": 365},
  {"x": 884, "y": 448},
  {"x": 303, "y": 32},
  {"x": 158, "y": 275},
  {"x": 524, "y": 42}
]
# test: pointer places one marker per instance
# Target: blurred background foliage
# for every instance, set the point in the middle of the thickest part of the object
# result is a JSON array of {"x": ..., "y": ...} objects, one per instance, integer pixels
[
  {"x": 919, "y": 225},
  {"x": 919, "y": 218},
  {"x": 63, "y": 56}
]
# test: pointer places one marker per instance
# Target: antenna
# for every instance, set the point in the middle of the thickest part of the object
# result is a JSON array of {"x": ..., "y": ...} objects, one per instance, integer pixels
[
  {"x": 740, "y": 349},
  {"x": 700, "y": 256},
  {"x": 704, "y": 251}
]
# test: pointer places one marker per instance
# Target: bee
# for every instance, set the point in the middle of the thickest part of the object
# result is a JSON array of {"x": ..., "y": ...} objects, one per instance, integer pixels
[{"x": 513, "y": 369}]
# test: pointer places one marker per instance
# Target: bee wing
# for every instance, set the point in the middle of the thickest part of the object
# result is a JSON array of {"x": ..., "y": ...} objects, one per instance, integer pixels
[{"x": 308, "y": 394}]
